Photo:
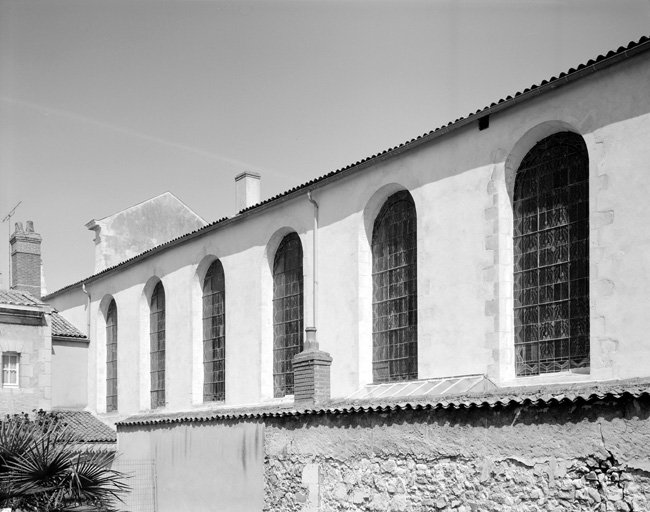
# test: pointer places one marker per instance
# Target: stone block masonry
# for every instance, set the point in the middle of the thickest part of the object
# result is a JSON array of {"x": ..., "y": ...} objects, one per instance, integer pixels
[{"x": 560, "y": 456}]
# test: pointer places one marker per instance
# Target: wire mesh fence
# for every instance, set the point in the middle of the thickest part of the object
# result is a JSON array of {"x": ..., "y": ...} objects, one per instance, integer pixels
[{"x": 142, "y": 481}]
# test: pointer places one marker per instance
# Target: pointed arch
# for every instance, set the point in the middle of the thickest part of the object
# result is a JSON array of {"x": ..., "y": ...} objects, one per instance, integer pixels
[
  {"x": 551, "y": 257},
  {"x": 394, "y": 290}
]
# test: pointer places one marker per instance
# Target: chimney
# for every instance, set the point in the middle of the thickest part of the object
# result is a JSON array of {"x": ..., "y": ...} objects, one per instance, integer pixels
[
  {"x": 26, "y": 259},
  {"x": 247, "y": 190},
  {"x": 311, "y": 373}
]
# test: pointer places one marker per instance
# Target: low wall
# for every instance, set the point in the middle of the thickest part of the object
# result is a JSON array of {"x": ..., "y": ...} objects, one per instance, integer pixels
[
  {"x": 199, "y": 466},
  {"x": 579, "y": 451},
  {"x": 559, "y": 456}
]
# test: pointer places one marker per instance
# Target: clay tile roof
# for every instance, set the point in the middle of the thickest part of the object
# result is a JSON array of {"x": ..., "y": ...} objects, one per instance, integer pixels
[
  {"x": 602, "y": 61},
  {"x": 85, "y": 428},
  {"x": 63, "y": 328},
  {"x": 501, "y": 397},
  {"x": 17, "y": 298}
]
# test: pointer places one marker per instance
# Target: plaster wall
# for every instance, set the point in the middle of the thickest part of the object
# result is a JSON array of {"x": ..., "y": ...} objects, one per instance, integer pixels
[
  {"x": 143, "y": 226},
  {"x": 217, "y": 466},
  {"x": 462, "y": 186},
  {"x": 33, "y": 343},
  {"x": 69, "y": 374}
]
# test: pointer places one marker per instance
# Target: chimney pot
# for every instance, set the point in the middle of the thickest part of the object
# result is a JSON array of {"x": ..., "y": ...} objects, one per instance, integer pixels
[
  {"x": 247, "y": 190},
  {"x": 19, "y": 227},
  {"x": 30, "y": 226}
]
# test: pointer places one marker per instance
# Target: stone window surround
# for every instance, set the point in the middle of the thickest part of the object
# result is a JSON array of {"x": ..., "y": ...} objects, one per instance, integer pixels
[{"x": 499, "y": 241}]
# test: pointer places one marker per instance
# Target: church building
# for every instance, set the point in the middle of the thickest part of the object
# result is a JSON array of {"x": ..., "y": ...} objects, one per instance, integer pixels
[{"x": 504, "y": 254}]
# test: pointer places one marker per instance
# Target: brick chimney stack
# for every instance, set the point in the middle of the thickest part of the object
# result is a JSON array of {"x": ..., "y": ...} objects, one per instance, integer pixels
[
  {"x": 311, "y": 373},
  {"x": 26, "y": 259},
  {"x": 247, "y": 190}
]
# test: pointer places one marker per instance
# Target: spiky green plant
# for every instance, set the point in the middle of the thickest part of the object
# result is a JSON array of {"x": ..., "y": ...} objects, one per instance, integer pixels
[{"x": 41, "y": 471}]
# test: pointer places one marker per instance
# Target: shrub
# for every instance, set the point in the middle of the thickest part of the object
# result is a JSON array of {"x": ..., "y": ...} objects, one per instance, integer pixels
[{"x": 40, "y": 469}]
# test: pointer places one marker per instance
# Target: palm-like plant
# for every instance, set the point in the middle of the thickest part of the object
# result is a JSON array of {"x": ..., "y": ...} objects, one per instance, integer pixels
[{"x": 41, "y": 471}]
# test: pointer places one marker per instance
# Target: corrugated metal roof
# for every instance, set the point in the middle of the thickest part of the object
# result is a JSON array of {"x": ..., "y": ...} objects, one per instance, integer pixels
[
  {"x": 527, "y": 395},
  {"x": 85, "y": 428},
  {"x": 63, "y": 328},
  {"x": 591, "y": 66},
  {"x": 18, "y": 298}
]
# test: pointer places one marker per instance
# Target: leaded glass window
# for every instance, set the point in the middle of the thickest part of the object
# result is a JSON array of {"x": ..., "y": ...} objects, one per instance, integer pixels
[
  {"x": 214, "y": 334},
  {"x": 157, "y": 339},
  {"x": 394, "y": 290},
  {"x": 551, "y": 257},
  {"x": 287, "y": 312},
  {"x": 111, "y": 357}
]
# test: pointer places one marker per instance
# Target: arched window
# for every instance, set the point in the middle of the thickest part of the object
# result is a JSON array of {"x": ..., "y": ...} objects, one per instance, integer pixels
[
  {"x": 157, "y": 338},
  {"x": 287, "y": 312},
  {"x": 394, "y": 291},
  {"x": 214, "y": 334},
  {"x": 111, "y": 357},
  {"x": 551, "y": 257}
]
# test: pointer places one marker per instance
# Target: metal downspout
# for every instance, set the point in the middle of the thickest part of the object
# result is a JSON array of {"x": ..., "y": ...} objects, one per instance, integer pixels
[
  {"x": 83, "y": 289},
  {"x": 311, "y": 331}
]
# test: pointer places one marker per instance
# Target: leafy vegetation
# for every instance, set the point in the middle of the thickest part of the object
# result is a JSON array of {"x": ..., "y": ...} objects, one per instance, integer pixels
[{"x": 41, "y": 470}]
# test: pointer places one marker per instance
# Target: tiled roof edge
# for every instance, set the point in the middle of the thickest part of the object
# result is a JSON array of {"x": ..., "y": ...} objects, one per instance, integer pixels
[
  {"x": 69, "y": 337},
  {"x": 13, "y": 297},
  {"x": 503, "y": 397},
  {"x": 65, "y": 329},
  {"x": 591, "y": 66}
]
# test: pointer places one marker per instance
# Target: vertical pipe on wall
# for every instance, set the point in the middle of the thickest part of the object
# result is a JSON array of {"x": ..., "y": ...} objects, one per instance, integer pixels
[
  {"x": 83, "y": 289},
  {"x": 311, "y": 334}
]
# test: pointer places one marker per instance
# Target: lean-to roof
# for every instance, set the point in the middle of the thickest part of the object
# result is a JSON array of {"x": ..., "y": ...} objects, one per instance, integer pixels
[{"x": 541, "y": 395}]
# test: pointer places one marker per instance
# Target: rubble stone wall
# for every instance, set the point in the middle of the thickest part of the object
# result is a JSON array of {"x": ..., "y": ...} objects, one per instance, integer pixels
[{"x": 563, "y": 456}]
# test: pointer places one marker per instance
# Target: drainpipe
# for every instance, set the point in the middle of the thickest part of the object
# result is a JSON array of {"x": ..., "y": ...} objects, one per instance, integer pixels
[
  {"x": 83, "y": 289},
  {"x": 311, "y": 367},
  {"x": 311, "y": 343}
]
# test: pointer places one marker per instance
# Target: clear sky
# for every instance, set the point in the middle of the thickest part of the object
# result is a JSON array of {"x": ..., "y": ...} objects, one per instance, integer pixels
[{"x": 105, "y": 103}]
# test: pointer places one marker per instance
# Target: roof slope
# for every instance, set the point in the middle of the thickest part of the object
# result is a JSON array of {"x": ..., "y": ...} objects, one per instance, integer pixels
[
  {"x": 591, "y": 66},
  {"x": 18, "y": 298},
  {"x": 64, "y": 329},
  {"x": 503, "y": 397},
  {"x": 85, "y": 428}
]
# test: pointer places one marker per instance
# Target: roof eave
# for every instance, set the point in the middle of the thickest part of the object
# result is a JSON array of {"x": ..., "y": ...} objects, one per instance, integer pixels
[
  {"x": 528, "y": 94},
  {"x": 77, "y": 339}
]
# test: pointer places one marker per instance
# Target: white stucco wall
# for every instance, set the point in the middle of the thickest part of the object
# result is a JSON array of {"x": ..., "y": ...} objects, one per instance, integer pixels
[
  {"x": 462, "y": 187},
  {"x": 69, "y": 373}
]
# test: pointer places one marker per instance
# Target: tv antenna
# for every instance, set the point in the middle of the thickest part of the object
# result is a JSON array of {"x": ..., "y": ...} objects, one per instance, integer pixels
[{"x": 8, "y": 219}]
